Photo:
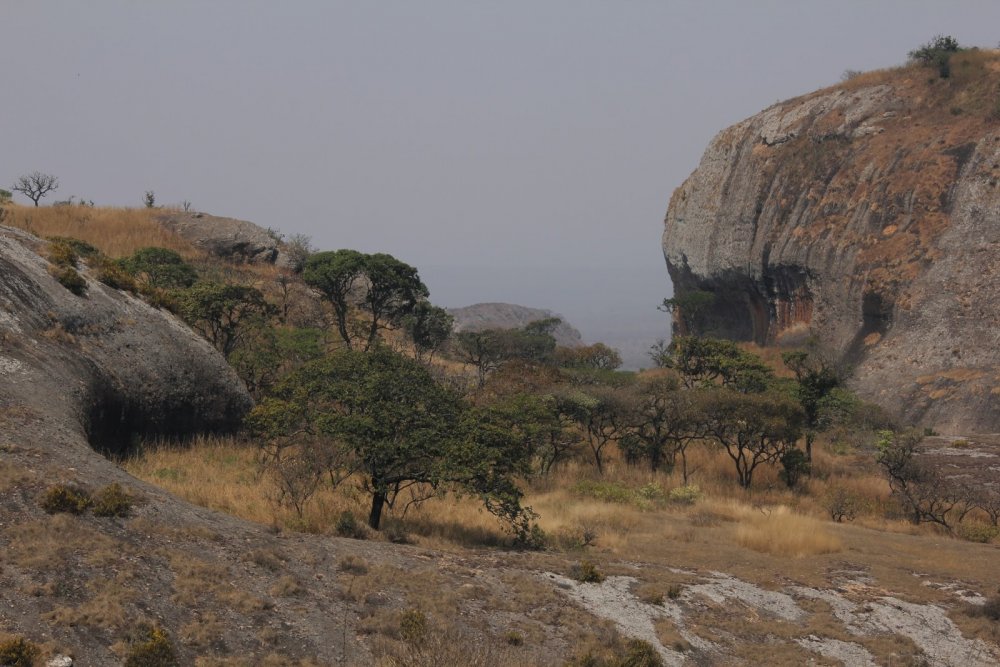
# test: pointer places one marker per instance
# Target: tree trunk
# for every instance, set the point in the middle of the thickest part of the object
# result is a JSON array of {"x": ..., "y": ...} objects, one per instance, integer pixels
[{"x": 378, "y": 502}]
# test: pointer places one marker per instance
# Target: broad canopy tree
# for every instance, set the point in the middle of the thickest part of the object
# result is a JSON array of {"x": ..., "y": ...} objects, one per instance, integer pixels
[
  {"x": 387, "y": 290},
  {"x": 385, "y": 420}
]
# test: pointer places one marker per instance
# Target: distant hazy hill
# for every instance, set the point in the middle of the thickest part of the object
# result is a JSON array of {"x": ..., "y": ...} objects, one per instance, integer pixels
[{"x": 511, "y": 316}]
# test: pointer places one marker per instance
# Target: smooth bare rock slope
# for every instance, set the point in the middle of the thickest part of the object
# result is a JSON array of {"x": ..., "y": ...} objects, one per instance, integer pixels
[
  {"x": 866, "y": 214},
  {"x": 226, "y": 238},
  {"x": 511, "y": 316}
]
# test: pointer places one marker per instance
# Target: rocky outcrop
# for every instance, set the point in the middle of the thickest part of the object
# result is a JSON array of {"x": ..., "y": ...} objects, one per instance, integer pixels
[
  {"x": 866, "y": 215},
  {"x": 105, "y": 363},
  {"x": 227, "y": 238},
  {"x": 511, "y": 316}
]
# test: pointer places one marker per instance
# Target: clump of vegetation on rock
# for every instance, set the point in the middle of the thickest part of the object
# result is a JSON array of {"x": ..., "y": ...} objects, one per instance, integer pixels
[{"x": 66, "y": 498}]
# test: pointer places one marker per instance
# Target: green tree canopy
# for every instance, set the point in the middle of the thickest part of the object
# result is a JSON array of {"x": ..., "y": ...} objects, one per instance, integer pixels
[
  {"x": 753, "y": 428},
  {"x": 224, "y": 314},
  {"x": 388, "y": 290},
  {"x": 703, "y": 362},
  {"x": 396, "y": 428},
  {"x": 428, "y": 326},
  {"x": 160, "y": 267}
]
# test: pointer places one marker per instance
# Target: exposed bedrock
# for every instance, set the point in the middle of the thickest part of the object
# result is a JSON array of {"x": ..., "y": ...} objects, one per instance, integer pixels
[
  {"x": 105, "y": 364},
  {"x": 866, "y": 215}
]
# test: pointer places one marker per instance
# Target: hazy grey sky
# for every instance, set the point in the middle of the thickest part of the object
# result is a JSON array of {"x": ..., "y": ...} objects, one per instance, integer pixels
[{"x": 519, "y": 151}]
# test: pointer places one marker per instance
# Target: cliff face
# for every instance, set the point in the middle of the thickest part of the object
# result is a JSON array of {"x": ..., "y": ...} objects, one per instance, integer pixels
[{"x": 867, "y": 215}]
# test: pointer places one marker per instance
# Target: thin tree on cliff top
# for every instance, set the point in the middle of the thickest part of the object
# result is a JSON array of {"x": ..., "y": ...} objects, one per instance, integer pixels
[{"x": 35, "y": 185}]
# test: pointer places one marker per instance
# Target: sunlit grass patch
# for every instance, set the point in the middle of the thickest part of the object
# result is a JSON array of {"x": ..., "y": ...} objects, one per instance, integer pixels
[{"x": 781, "y": 532}]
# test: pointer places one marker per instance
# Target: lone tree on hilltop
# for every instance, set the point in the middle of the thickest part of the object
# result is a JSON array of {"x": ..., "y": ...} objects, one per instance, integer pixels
[{"x": 35, "y": 185}]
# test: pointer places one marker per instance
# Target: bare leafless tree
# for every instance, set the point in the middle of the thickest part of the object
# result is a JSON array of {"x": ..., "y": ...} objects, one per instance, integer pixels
[{"x": 35, "y": 185}]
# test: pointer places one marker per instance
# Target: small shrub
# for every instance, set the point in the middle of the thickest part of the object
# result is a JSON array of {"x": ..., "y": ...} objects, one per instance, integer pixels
[
  {"x": 651, "y": 594},
  {"x": 651, "y": 491},
  {"x": 62, "y": 254},
  {"x": 413, "y": 626},
  {"x": 961, "y": 444},
  {"x": 112, "y": 274},
  {"x": 18, "y": 652},
  {"x": 989, "y": 609},
  {"x": 353, "y": 565},
  {"x": 112, "y": 501},
  {"x": 513, "y": 638},
  {"x": 609, "y": 492},
  {"x": 841, "y": 504},
  {"x": 65, "y": 498},
  {"x": 586, "y": 572},
  {"x": 79, "y": 247},
  {"x": 794, "y": 465},
  {"x": 396, "y": 533},
  {"x": 685, "y": 495},
  {"x": 531, "y": 539},
  {"x": 348, "y": 526},
  {"x": 976, "y": 531},
  {"x": 674, "y": 591},
  {"x": 640, "y": 653},
  {"x": 153, "y": 649},
  {"x": 69, "y": 278}
]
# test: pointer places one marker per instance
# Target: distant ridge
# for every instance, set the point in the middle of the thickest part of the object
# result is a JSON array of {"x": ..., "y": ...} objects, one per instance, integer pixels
[{"x": 481, "y": 316}]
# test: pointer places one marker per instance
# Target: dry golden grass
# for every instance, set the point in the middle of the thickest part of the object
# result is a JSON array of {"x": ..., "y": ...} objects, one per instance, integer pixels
[
  {"x": 781, "y": 532},
  {"x": 117, "y": 232}
]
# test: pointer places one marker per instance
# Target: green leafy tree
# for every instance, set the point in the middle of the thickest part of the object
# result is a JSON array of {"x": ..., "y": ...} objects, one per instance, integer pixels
[
  {"x": 665, "y": 420},
  {"x": 754, "y": 429},
  {"x": 429, "y": 327},
  {"x": 390, "y": 424},
  {"x": 388, "y": 290},
  {"x": 815, "y": 380},
  {"x": 393, "y": 290},
  {"x": 161, "y": 268},
  {"x": 224, "y": 314},
  {"x": 334, "y": 274},
  {"x": 603, "y": 412},
  {"x": 937, "y": 53},
  {"x": 489, "y": 349},
  {"x": 269, "y": 353},
  {"x": 689, "y": 311},
  {"x": 704, "y": 362},
  {"x": 598, "y": 356}
]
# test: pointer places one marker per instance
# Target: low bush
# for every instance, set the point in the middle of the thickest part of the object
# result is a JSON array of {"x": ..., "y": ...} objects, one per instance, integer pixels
[
  {"x": 989, "y": 609},
  {"x": 976, "y": 531},
  {"x": 152, "y": 649},
  {"x": 112, "y": 274},
  {"x": 71, "y": 279},
  {"x": 684, "y": 495},
  {"x": 112, "y": 501},
  {"x": 640, "y": 653},
  {"x": 586, "y": 572},
  {"x": 18, "y": 652},
  {"x": 65, "y": 498},
  {"x": 348, "y": 526},
  {"x": 413, "y": 626},
  {"x": 62, "y": 254},
  {"x": 79, "y": 247}
]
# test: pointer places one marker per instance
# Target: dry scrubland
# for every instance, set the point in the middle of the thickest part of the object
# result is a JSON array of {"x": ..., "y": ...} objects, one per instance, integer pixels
[
  {"x": 828, "y": 572},
  {"x": 656, "y": 540}
]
